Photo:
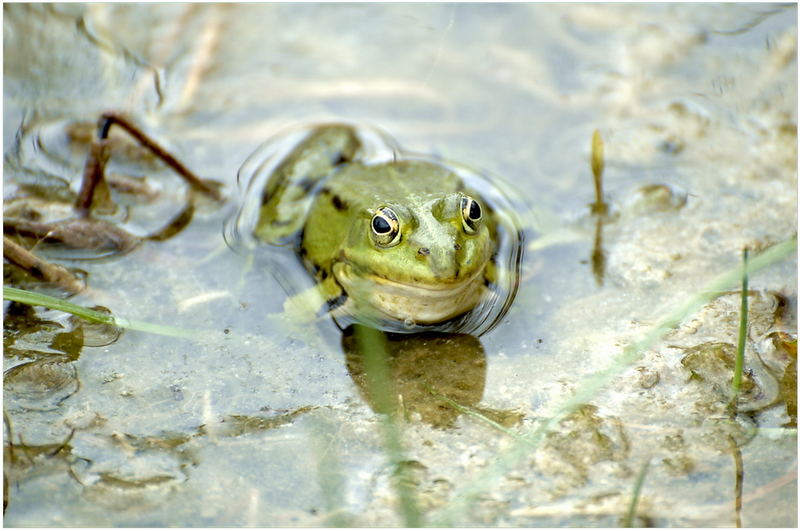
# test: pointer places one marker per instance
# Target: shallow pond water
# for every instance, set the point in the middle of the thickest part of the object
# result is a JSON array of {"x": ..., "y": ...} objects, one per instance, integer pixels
[{"x": 254, "y": 422}]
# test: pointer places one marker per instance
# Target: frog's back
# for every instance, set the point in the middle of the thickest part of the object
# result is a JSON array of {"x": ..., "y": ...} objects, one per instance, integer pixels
[{"x": 369, "y": 186}]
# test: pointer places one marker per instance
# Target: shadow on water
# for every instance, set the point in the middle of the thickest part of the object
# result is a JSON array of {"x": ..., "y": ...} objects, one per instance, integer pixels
[{"x": 428, "y": 372}]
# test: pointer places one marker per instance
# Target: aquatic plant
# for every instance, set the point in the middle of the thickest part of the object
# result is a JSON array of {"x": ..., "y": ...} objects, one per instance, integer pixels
[
  {"x": 737, "y": 371},
  {"x": 630, "y": 518},
  {"x": 39, "y": 299}
]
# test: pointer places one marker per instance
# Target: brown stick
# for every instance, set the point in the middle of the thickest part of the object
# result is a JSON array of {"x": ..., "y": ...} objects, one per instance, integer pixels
[
  {"x": 93, "y": 174},
  {"x": 110, "y": 118},
  {"x": 39, "y": 268}
]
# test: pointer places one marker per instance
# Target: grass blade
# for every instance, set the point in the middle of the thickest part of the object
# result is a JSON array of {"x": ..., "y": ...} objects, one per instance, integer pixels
[
  {"x": 39, "y": 299},
  {"x": 737, "y": 371},
  {"x": 381, "y": 389},
  {"x": 630, "y": 518}
]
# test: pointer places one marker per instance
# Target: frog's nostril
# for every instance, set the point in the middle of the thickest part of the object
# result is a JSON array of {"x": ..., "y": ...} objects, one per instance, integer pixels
[{"x": 424, "y": 251}]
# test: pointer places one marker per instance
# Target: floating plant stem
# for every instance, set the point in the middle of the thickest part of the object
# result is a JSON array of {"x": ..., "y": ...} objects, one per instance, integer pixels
[
  {"x": 39, "y": 299},
  {"x": 630, "y": 518},
  {"x": 739, "y": 367},
  {"x": 598, "y": 163}
]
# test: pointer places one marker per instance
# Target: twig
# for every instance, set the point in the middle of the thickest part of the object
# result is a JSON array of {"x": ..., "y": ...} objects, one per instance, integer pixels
[
  {"x": 61, "y": 276},
  {"x": 111, "y": 118},
  {"x": 93, "y": 175}
]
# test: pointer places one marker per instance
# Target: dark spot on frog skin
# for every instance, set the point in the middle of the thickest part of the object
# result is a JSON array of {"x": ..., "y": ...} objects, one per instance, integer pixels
[
  {"x": 424, "y": 251},
  {"x": 336, "y": 301},
  {"x": 339, "y": 204},
  {"x": 457, "y": 247}
]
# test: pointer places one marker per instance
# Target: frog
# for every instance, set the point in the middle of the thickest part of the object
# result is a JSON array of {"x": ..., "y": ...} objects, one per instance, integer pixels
[{"x": 399, "y": 241}]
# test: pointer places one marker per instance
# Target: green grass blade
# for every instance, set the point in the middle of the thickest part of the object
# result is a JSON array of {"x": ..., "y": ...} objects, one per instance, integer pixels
[
  {"x": 737, "y": 371},
  {"x": 39, "y": 299},
  {"x": 381, "y": 389},
  {"x": 630, "y": 518}
]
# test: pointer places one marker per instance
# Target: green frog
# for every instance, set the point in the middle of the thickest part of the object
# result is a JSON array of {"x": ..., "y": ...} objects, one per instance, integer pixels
[{"x": 403, "y": 240}]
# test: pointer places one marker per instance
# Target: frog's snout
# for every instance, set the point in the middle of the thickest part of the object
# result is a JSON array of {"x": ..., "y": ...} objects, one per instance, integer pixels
[{"x": 440, "y": 261}]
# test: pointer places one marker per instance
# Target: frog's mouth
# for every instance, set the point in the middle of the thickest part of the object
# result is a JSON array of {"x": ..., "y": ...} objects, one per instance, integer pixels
[{"x": 418, "y": 302}]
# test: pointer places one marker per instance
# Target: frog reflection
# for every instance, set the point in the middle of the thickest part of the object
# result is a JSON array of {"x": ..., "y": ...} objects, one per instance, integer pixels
[{"x": 436, "y": 375}]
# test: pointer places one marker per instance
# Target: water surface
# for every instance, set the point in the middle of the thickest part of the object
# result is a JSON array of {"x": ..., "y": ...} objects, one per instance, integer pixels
[{"x": 254, "y": 423}]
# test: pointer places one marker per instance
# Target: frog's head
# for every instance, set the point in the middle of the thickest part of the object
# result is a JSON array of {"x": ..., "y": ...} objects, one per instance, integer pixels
[{"x": 423, "y": 260}]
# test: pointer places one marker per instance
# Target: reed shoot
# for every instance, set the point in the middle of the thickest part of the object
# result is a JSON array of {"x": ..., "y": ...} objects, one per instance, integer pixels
[
  {"x": 630, "y": 518},
  {"x": 739, "y": 367},
  {"x": 598, "y": 164}
]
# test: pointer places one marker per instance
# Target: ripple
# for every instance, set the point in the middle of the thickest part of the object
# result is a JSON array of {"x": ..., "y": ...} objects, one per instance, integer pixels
[{"x": 40, "y": 385}]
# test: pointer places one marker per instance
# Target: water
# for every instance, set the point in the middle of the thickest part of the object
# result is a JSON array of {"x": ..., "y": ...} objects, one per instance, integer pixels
[{"x": 256, "y": 423}]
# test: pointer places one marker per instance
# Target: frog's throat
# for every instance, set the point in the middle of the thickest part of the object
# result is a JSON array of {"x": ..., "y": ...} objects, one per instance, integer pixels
[{"x": 420, "y": 303}]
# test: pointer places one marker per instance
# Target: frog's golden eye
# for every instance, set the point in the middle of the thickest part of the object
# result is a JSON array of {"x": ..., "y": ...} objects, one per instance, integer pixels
[
  {"x": 385, "y": 227},
  {"x": 471, "y": 214}
]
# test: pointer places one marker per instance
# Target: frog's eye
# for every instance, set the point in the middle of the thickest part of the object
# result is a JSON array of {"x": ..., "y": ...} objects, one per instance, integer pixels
[
  {"x": 385, "y": 227},
  {"x": 471, "y": 214}
]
